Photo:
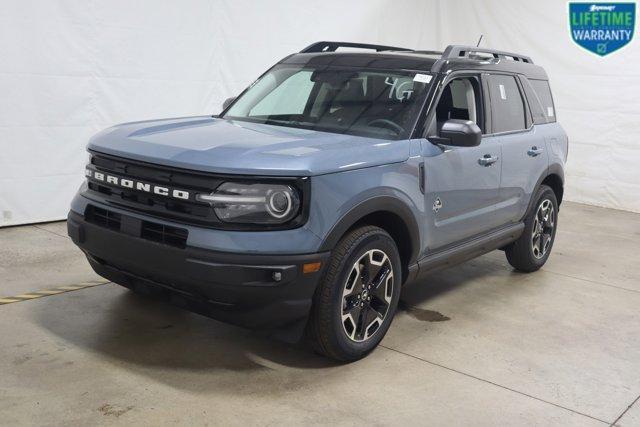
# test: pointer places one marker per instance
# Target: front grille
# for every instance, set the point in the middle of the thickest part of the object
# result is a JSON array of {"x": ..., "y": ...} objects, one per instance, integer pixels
[
  {"x": 144, "y": 202},
  {"x": 186, "y": 211},
  {"x": 159, "y": 233},
  {"x": 103, "y": 218},
  {"x": 164, "y": 234}
]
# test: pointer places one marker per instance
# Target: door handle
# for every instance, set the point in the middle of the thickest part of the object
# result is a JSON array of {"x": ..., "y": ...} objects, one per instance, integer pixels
[
  {"x": 487, "y": 160},
  {"x": 534, "y": 151}
]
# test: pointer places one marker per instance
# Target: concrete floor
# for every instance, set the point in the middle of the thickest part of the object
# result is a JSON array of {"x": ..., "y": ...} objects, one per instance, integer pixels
[{"x": 478, "y": 344}]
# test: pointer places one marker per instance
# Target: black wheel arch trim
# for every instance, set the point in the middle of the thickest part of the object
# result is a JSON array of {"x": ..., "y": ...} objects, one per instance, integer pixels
[
  {"x": 383, "y": 203},
  {"x": 553, "y": 169}
]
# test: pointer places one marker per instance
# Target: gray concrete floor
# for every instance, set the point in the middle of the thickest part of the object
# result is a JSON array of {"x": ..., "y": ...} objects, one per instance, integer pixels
[{"x": 478, "y": 344}]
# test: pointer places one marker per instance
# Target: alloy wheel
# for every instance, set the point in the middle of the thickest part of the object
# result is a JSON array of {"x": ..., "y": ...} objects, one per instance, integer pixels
[
  {"x": 367, "y": 293},
  {"x": 543, "y": 226}
]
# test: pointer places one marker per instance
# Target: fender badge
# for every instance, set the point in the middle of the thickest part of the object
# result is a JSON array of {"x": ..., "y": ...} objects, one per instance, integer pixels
[{"x": 437, "y": 204}]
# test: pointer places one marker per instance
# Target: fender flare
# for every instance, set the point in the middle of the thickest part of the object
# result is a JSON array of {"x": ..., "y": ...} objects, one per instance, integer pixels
[
  {"x": 382, "y": 203},
  {"x": 553, "y": 169}
]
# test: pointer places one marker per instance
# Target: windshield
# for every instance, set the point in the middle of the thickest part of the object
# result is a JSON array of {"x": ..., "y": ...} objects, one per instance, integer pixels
[{"x": 372, "y": 103}]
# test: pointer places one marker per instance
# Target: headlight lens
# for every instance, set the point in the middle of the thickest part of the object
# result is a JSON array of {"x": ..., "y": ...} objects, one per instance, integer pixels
[{"x": 253, "y": 203}]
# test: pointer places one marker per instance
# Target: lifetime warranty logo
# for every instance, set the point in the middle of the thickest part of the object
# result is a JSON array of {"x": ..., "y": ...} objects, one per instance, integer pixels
[{"x": 602, "y": 28}]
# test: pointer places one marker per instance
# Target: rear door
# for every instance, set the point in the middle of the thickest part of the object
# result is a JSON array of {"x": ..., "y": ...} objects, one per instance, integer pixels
[
  {"x": 524, "y": 149},
  {"x": 462, "y": 184}
]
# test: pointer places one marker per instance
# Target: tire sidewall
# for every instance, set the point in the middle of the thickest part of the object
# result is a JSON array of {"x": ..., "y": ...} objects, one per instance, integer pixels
[{"x": 384, "y": 242}]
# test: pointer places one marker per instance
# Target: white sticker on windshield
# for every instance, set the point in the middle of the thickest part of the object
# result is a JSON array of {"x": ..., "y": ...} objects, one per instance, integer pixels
[
  {"x": 550, "y": 111},
  {"x": 422, "y": 78},
  {"x": 503, "y": 93}
]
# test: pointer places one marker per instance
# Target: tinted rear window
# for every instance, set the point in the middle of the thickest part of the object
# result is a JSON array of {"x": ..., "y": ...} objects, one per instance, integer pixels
[
  {"x": 535, "y": 106},
  {"x": 507, "y": 105},
  {"x": 542, "y": 89}
]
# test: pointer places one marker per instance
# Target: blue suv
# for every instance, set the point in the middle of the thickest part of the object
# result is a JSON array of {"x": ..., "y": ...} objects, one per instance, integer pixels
[{"x": 331, "y": 182}]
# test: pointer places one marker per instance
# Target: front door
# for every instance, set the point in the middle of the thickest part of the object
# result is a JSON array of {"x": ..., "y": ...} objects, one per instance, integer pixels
[{"x": 462, "y": 184}]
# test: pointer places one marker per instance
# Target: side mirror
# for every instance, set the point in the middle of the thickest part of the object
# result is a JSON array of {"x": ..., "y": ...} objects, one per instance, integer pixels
[
  {"x": 228, "y": 102},
  {"x": 459, "y": 133}
]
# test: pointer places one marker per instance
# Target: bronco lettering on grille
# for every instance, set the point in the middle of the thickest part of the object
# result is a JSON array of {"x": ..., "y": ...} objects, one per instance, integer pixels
[{"x": 145, "y": 187}]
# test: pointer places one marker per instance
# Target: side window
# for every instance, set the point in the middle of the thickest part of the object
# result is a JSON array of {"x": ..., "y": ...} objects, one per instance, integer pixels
[
  {"x": 507, "y": 105},
  {"x": 535, "y": 105},
  {"x": 460, "y": 99},
  {"x": 280, "y": 101},
  {"x": 543, "y": 91}
]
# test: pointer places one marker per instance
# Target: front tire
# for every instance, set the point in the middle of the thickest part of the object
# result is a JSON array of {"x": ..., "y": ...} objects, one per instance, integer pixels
[
  {"x": 358, "y": 296},
  {"x": 533, "y": 247}
]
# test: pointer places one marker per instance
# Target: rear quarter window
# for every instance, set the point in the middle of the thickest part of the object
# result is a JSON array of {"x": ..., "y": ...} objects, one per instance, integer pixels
[
  {"x": 538, "y": 114},
  {"x": 543, "y": 91}
]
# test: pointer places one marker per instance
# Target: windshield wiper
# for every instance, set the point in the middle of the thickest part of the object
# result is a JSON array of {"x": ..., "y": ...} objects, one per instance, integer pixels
[{"x": 290, "y": 123}]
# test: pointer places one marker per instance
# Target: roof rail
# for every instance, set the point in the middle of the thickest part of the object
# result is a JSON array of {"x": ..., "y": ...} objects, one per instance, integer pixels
[
  {"x": 459, "y": 51},
  {"x": 429, "y": 52},
  {"x": 333, "y": 46}
]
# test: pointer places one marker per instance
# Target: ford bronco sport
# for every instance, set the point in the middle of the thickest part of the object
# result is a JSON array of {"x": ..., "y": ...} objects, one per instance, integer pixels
[{"x": 332, "y": 181}]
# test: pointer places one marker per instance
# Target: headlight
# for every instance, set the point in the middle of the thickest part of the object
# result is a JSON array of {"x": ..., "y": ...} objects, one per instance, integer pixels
[{"x": 253, "y": 203}]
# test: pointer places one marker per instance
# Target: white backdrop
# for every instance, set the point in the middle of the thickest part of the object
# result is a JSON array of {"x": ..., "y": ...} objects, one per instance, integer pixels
[{"x": 71, "y": 68}]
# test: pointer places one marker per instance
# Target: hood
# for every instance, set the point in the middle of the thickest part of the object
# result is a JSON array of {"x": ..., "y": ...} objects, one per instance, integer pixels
[{"x": 235, "y": 147}]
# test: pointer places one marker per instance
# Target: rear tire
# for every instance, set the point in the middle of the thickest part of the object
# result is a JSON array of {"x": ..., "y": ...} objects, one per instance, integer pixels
[
  {"x": 533, "y": 247},
  {"x": 358, "y": 296}
]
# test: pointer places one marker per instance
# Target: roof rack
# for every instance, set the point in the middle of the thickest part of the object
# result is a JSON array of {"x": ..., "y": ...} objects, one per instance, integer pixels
[
  {"x": 459, "y": 51},
  {"x": 333, "y": 46},
  {"x": 451, "y": 52},
  {"x": 429, "y": 52}
]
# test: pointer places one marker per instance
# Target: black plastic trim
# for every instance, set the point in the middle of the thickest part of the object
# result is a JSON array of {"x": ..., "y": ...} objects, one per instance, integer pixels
[
  {"x": 553, "y": 169},
  {"x": 253, "y": 290},
  {"x": 375, "y": 204},
  {"x": 469, "y": 250},
  {"x": 333, "y": 46},
  {"x": 459, "y": 51}
]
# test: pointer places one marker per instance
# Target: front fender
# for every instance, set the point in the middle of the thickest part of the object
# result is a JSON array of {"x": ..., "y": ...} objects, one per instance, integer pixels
[
  {"x": 378, "y": 203},
  {"x": 342, "y": 199}
]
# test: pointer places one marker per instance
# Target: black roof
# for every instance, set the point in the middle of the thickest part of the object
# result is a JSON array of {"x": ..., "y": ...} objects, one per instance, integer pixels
[{"x": 453, "y": 58}]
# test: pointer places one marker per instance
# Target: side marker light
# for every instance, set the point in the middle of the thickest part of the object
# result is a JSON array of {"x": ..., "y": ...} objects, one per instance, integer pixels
[{"x": 311, "y": 267}]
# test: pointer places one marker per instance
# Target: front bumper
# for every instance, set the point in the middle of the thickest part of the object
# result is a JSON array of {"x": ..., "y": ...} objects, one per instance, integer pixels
[{"x": 254, "y": 291}]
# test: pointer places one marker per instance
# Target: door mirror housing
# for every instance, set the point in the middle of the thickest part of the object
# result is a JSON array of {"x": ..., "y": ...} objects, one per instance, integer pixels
[
  {"x": 228, "y": 102},
  {"x": 458, "y": 133}
]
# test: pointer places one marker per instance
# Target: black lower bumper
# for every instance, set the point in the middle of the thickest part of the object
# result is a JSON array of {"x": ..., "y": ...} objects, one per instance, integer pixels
[{"x": 255, "y": 291}]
